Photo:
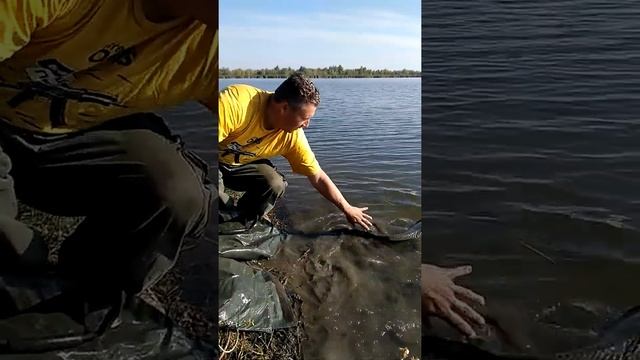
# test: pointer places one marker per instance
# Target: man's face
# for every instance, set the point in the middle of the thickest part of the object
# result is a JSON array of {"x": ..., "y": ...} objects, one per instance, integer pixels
[{"x": 292, "y": 118}]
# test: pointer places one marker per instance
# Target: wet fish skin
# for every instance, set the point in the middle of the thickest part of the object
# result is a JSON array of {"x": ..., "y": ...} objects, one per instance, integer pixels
[
  {"x": 626, "y": 350},
  {"x": 618, "y": 341},
  {"x": 414, "y": 232}
]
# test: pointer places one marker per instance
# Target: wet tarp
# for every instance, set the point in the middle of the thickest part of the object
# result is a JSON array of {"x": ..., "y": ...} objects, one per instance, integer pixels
[
  {"x": 51, "y": 330},
  {"x": 43, "y": 317},
  {"x": 252, "y": 299},
  {"x": 260, "y": 242},
  {"x": 249, "y": 298}
]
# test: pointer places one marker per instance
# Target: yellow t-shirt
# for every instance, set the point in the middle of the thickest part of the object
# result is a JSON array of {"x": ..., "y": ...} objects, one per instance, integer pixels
[
  {"x": 242, "y": 137},
  {"x": 72, "y": 64}
]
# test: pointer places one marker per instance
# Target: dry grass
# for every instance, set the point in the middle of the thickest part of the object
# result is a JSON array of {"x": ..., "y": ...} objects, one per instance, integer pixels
[{"x": 249, "y": 345}]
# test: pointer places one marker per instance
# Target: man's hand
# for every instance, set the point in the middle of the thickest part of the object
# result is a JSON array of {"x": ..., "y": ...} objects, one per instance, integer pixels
[
  {"x": 357, "y": 216},
  {"x": 441, "y": 297},
  {"x": 329, "y": 190}
]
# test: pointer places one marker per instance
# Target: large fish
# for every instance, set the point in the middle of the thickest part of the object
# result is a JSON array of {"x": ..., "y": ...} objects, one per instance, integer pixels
[
  {"x": 282, "y": 220},
  {"x": 618, "y": 341},
  {"x": 413, "y": 232}
]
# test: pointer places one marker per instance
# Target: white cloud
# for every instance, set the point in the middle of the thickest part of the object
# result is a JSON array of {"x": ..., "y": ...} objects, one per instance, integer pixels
[
  {"x": 280, "y": 34},
  {"x": 357, "y": 20},
  {"x": 350, "y": 36}
]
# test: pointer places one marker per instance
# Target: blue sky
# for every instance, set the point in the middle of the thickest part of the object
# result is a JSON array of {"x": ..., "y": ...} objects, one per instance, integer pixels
[{"x": 319, "y": 33}]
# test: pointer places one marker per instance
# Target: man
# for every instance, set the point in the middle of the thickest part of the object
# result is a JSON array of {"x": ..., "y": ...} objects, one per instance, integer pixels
[
  {"x": 442, "y": 298},
  {"x": 255, "y": 125},
  {"x": 76, "y": 80}
]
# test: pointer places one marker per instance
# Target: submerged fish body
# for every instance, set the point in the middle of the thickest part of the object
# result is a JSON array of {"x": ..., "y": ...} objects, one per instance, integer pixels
[
  {"x": 618, "y": 341},
  {"x": 626, "y": 350},
  {"x": 413, "y": 232}
]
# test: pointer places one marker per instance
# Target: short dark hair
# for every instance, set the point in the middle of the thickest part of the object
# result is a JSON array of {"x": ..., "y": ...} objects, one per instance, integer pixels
[{"x": 297, "y": 90}]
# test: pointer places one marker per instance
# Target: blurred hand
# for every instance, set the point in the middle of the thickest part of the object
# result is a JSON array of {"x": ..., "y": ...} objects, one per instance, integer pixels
[
  {"x": 441, "y": 297},
  {"x": 356, "y": 215}
]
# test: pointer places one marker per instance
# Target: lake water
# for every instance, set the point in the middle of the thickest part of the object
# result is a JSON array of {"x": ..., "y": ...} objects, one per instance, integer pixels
[
  {"x": 530, "y": 140},
  {"x": 197, "y": 127},
  {"x": 360, "y": 296}
]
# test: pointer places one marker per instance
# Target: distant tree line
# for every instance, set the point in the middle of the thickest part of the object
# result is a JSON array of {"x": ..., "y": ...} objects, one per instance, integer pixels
[{"x": 326, "y": 72}]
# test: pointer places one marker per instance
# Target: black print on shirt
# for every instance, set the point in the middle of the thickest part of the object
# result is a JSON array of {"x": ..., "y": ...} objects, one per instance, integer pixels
[
  {"x": 50, "y": 79},
  {"x": 236, "y": 149},
  {"x": 114, "y": 53}
]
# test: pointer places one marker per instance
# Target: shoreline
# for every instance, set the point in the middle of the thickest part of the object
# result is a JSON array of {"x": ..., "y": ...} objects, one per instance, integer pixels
[{"x": 323, "y": 77}]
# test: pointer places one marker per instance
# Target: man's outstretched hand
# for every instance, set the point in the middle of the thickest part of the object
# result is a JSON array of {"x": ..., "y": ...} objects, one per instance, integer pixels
[
  {"x": 441, "y": 297},
  {"x": 357, "y": 216}
]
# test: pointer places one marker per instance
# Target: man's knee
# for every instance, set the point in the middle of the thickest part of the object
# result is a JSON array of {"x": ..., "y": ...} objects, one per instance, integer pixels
[
  {"x": 185, "y": 194},
  {"x": 279, "y": 185},
  {"x": 176, "y": 182},
  {"x": 8, "y": 204},
  {"x": 187, "y": 198},
  {"x": 5, "y": 164},
  {"x": 274, "y": 180}
]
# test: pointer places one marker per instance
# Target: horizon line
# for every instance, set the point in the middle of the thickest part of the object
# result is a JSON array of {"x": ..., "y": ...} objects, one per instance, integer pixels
[{"x": 308, "y": 67}]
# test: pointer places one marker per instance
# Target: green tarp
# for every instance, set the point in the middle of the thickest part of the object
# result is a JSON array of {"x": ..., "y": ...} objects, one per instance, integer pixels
[
  {"x": 252, "y": 299},
  {"x": 141, "y": 332},
  {"x": 249, "y": 298}
]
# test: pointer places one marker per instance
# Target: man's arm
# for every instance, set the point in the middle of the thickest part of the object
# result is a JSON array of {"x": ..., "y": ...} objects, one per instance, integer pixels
[{"x": 321, "y": 182}]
